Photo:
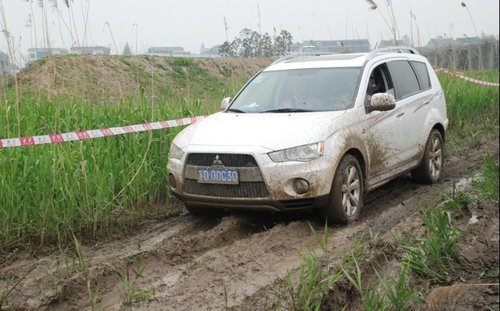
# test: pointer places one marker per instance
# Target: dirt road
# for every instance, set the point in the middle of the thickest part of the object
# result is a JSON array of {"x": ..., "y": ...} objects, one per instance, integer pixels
[{"x": 192, "y": 263}]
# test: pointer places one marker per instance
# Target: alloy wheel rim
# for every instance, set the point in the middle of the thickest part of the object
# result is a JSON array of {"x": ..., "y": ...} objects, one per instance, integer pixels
[
  {"x": 435, "y": 158},
  {"x": 351, "y": 189}
]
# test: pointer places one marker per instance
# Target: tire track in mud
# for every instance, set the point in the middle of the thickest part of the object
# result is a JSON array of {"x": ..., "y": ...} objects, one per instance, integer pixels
[
  {"x": 204, "y": 263},
  {"x": 161, "y": 258}
]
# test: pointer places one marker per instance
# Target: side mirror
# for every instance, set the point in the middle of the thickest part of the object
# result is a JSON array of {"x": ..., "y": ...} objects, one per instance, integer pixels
[
  {"x": 381, "y": 102},
  {"x": 225, "y": 103}
]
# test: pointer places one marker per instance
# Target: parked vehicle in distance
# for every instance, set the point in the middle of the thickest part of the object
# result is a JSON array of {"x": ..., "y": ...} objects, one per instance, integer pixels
[{"x": 315, "y": 132}]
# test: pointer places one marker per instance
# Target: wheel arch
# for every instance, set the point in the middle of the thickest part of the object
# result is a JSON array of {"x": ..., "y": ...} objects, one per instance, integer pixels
[
  {"x": 440, "y": 128},
  {"x": 361, "y": 160}
]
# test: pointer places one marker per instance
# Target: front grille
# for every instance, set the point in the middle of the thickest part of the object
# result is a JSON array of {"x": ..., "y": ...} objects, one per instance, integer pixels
[
  {"x": 229, "y": 160},
  {"x": 243, "y": 189},
  {"x": 251, "y": 183}
]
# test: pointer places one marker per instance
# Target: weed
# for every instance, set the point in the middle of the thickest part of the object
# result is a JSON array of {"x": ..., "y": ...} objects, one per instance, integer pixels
[
  {"x": 370, "y": 297},
  {"x": 129, "y": 284},
  {"x": 314, "y": 278},
  {"x": 79, "y": 255},
  {"x": 434, "y": 254},
  {"x": 6, "y": 293},
  {"x": 93, "y": 297},
  {"x": 182, "y": 61},
  {"x": 489, "y": 183},
  {"x": 399, "y": 293}
]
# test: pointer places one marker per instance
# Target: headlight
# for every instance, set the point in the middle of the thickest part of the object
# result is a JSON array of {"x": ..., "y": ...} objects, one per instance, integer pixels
[
  {"x": 301, "y": 153},
  {"x": 175, "y": 152}
]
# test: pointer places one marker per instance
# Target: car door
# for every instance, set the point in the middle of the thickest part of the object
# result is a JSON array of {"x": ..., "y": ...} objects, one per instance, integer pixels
[
  {"x": 384, "y": 140},
  {"x": 411, "y": 106}
]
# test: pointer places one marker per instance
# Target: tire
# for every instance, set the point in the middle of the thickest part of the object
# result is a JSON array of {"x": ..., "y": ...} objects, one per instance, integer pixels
[
  {"x": 346, "y": 195},
  {"x": 431, "y": 168}
]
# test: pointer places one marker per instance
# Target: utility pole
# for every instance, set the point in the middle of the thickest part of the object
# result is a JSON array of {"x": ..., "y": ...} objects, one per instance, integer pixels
[
  {"x": 136, "y": 35},
  {"x": 411, "y": 27},
  {"x": 226, "y": 28},
  {"x": 258, "y": 15}
]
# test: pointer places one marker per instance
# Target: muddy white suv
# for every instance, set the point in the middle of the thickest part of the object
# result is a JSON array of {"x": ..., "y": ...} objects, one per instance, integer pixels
[{"x": 315, "y": 132}]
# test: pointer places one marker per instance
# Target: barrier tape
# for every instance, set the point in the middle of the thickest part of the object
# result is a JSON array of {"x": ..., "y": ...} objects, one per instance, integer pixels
[
  {"x": 463, "y": 77},
  {"x": 91, "y": 134}
]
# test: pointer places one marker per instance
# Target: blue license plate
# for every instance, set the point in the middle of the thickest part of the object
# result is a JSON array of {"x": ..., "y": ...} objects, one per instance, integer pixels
[{"x": 218, "y": 176}]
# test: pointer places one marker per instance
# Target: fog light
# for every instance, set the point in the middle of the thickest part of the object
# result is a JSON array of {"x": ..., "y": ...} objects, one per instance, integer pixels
[
  {"x": 171, "y": 180},
  {"x": 300, "y": 185}
]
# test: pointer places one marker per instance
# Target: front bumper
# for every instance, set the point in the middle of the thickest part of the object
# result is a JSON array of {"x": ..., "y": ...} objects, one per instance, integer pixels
[
  {"x": 253, "y": 204},
  {"x": 266, "y": 185}
]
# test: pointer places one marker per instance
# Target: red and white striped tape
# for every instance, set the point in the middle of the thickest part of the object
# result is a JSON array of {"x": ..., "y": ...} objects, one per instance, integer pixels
[
  {"x": 463, "y": 77},
  {"x": 90, "y": 134}
]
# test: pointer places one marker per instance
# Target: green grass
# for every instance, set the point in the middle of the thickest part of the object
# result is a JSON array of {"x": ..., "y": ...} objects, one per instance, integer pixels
[
  {"x": 433, "y": 255},
  {"x": 48, "y": 193},
  {"x": 484, "y": 75},
  {"x": 472, "y": 111},
  {"x": 489, "y": 184}
]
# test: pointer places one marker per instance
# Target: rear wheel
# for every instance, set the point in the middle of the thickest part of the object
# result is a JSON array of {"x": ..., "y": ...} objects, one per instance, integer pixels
[
  {"x": 346, "y": 196},
  {"x": 431, "y": 168}
]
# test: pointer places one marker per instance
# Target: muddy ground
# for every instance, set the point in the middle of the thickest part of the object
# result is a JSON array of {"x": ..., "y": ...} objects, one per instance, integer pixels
[{"x": 233, "y": 262}]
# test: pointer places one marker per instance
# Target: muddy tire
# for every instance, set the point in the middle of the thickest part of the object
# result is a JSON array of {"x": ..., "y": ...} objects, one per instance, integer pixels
[
  {"x": 431, "y": 168},
  {"x": 346, "y": 196}
]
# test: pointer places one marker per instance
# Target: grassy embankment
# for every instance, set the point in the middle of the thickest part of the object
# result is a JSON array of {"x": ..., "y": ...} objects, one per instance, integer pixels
[{"x": 49, "y": 193}]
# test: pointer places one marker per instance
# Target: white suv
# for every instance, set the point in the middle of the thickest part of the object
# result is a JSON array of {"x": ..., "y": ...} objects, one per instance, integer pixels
[{"x": 315, "y": 132}]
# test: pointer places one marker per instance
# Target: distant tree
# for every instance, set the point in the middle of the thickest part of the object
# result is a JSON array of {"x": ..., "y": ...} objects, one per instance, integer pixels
[
  {"x": 225, "y": 49},
  {"x": 266, "y": 47},
  {"x": 282, "y": 42},
  {"x": 126, "y": 50},
  {"x": 250, "y": 43}
]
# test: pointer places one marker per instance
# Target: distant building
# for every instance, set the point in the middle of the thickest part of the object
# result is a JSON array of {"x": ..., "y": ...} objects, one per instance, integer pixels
[
  {"x": 90, "y": 50},
  {"x": 4, "y": 64},
  {"x": 439, "y": 42},
  {"x": 39, "y": 53},
  {"x": 331, "y": 46},
  {"x": 168, "y": 51},
  {"x": 211, "y": 52},
  {"x": 467, "y": 41}
]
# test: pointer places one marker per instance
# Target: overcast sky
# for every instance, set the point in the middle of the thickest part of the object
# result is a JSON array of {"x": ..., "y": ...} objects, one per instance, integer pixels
[{"x": 189, "y": 23}]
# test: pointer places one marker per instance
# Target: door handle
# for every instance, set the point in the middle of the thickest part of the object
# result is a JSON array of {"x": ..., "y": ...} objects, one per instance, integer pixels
[{"x": 400, "y": 114}]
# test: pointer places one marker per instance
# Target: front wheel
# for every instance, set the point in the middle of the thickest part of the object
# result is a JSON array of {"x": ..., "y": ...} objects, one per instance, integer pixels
[
  {"x": 346, "y": 196},
  {"x": 431, "y": 168}
]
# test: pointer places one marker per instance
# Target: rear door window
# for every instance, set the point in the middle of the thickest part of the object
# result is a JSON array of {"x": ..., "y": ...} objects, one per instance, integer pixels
[{"x": 404, "y": 79}]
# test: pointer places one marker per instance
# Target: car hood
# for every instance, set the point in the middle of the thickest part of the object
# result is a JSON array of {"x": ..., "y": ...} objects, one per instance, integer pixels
[{"x": 273, "y": 131}]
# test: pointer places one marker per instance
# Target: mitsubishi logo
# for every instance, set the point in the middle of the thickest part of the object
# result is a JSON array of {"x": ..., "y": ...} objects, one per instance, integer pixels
[{"x": 217, "y": 161}]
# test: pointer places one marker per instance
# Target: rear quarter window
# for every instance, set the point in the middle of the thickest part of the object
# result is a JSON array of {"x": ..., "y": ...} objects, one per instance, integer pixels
[{"x": 423, "y": 75}]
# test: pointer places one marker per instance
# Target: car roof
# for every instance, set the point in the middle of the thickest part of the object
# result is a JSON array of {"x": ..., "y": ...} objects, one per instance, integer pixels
[{"x": 339, "y": 60}]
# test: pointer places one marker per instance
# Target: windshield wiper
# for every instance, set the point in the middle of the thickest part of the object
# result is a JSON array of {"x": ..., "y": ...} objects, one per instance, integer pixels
[
  {"x": 235, "y": 110},
  {"x": 287, "y": 110}
]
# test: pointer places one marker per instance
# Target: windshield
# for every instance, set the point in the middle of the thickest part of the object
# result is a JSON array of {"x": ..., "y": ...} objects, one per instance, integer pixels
[{"x": 299, "y": 90}]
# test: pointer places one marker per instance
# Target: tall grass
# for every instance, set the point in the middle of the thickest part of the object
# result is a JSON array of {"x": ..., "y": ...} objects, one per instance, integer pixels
[
  {"x": 49, "y": 193},
  {"x": 472, "y": 111}
]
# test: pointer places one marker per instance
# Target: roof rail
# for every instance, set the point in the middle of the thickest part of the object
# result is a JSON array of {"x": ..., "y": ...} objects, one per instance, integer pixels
[
  {"x": 284, "y": 58},
  {"x": 396, "y": 49},
  {"x": 300, "y": 55}
]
